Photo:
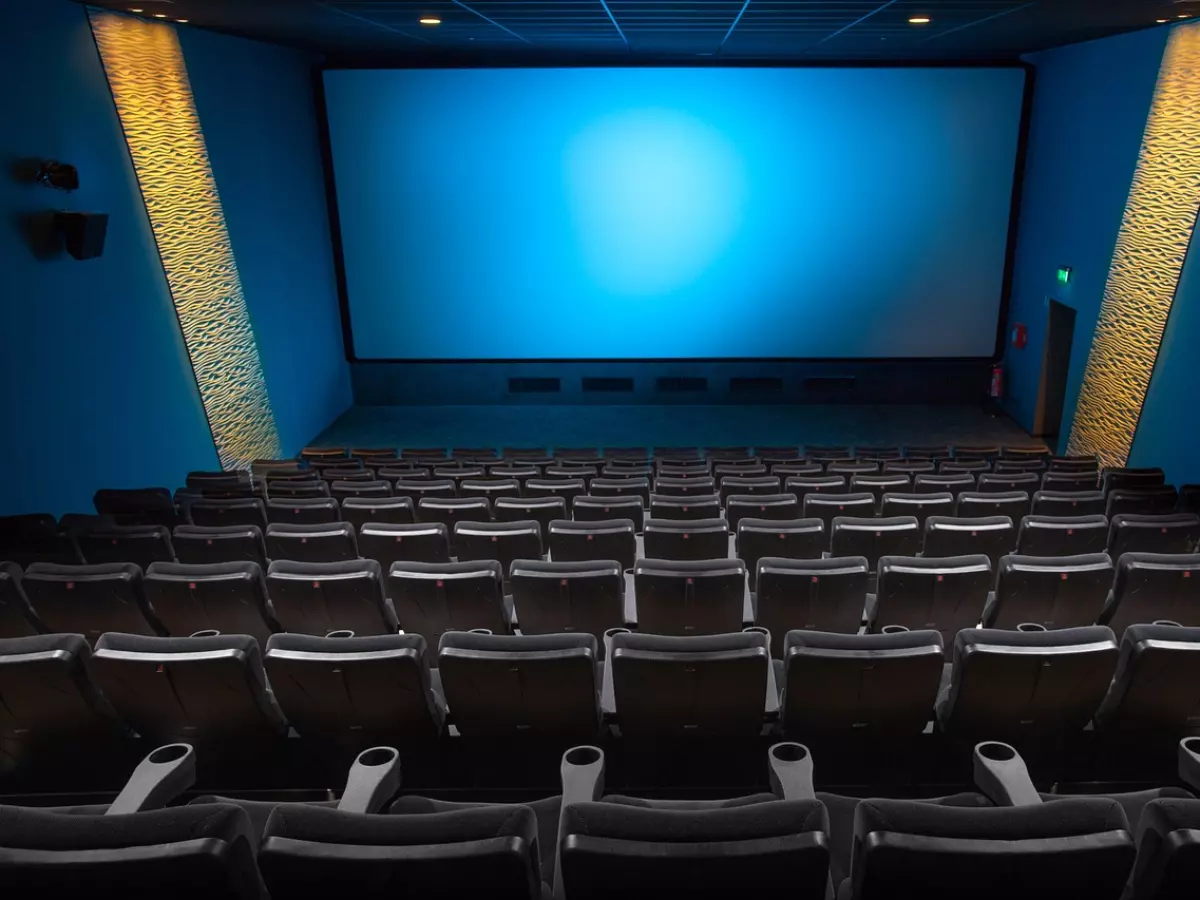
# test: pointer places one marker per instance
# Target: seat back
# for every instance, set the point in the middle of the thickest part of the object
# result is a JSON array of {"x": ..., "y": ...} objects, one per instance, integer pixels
[
  {"x": 452, "y": 510},
  {"x": 90, "y": 600},
  {"x": 1116, "y": 479},
  {"x": 584, "y": 541},
  {"x": 1155, "y": 587},
  {"x": 230, "y": 598},
  {"x": 566, "y": 488},
  {"x": 621, "y": 487},
  {"x": 317, "y": 598},
  {"x": 810, "y": 595},
  {"x": 208, "y": 690},
  {"x": 684, "y": 539},
  {"x": 304, "y": 511},
  {"x": 568, "y": 597},
  {"x": 1132, "y": 533},
  {"x": 310, "y": 851},
  {"x": 919, "y": 506},
  {"x": 326, "y": 542},
  {"x": 1157, "y": 684},
  {"x": 993, "y": 536},
  {"x": 685, "y": 486},
  {"x": 943, "y": 594},
  {"x": 415, "y": 489},
  {"x": 1147, "y": 501},
  {"x": 781, "y": 848},
  {"x": 358, "y": 511},
  {"x": 1054, "y": 592},
  {"x": 951, "y": 483},
  {"x": 878, "y": 485},
  {"x": 860, "y": 683},
  {"x": 137, "y": 506},
  {"x": 137, "y": 544},
  {"x": 1168, "y": 860},
  {"x": 906, "y": 848},
  {"x": 16, "y": 616},
  {"x": 689, "y": 507},
  {"x": 777, "y": 507},
  {"x": 1007, "y": 684},
  {"x": 816, "y": 483},
  {"x": 789, "y": 539},
  {"x": 977, "y": 504},
  {"x": 361, "y": 690},
  {"x": 433, "y": 598},
  {"x": 690, "y": 598},
  {"x": 388, "y": 543},
  {"x": 602, "y": 509},
  {"x": 828, "y": 507},
  {"x": 501, "y": 541},
  {"x": 490, "y": 488},
  {"x": 515, "y": 686},
  {"x": 247, "y": 511},
  {"x": 283, "y": 489},
  {"x": 1009, "y": 482},
  {"x": 1068, "y": 503},
  {"x": 748, "y": 485},
  {"x": 875, "y": 538},
  {"x": 690, "y": 686},
  {"x": 198, "y": 544},
  {"x": 1062, "y": 535}
]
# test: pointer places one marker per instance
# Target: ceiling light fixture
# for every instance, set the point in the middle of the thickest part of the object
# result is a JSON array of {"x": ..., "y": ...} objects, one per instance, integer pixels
[
  {"x": 919, "y": 20},
  {"x": 182, "y": 21},
  {"x": 160, "y": 15},
  {"x": 137, "y": 10},
  {"x": 429, "y": 20}
]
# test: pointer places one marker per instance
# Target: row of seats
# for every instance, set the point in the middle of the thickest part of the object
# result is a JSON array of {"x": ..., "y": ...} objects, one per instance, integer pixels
[
  {"x": 837, "y": 594},
  {"x": 224, "y": 689}
]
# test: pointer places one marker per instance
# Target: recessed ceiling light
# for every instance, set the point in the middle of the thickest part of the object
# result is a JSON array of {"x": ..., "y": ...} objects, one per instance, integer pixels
[
  {"x": 919, "y": 20},
  {"x": 430, "y": 20},
  {"x": 182, "y": 21},
  {"x": 137, "y": 10},
  {"x": 1184, "y": 16},
  {"x": 160, "y": 15}
]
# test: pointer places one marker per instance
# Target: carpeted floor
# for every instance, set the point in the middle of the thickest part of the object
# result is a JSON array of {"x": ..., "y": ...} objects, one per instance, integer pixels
[{"x": 596, "y": 426}]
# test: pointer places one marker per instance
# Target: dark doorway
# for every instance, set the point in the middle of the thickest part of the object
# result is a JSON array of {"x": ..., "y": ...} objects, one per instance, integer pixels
[{"x": 1056, "y": 364}]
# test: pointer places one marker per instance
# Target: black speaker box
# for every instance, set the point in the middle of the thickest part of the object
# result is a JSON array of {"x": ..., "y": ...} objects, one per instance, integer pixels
[{"x": 83, "y": 233}]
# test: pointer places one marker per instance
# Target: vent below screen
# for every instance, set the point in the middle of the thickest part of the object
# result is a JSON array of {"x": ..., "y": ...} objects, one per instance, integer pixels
[
  {"x": 608, "y": 384},
  {"x": 533, "y": 386},
  {"x": 836, "y": 384},
  {"x": 674, "y": 385},
  {"x": 756, "y": 385}
]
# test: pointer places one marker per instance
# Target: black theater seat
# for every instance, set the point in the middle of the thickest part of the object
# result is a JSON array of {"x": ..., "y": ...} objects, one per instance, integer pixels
[
  {"x": 137, "y": 506},
  {"x": 1068, "y": 503},
  {"x": 685, "y": 486},
  {"x": 583, "y": 541},
  {"x": 621, "y": 487},
  {"x": 1062, "y": 535},
  {"x": 1009, "y": 482},
  {"x": 340, "y": 490},
  {"x": 199, "y": 544},
  {"x": 993, "y": 536},
  {"x": 433, "y": 598},
  {"x": 415, "y": 490},
  {"x": 1146, "y": 501},
  {"x": 1154, "y": 587},
  {"x": 317, "y": 598},
  {"x": 1116, "y": 479},
  {"x": 1131, "y": 533},
  {"x": 879, "y": 485},
  {"x": 810, "y": 595},
  {"x": 521, "y": 686},
  {"x": 601, "y": 509},
  {"x": 205, "y": 690},
  {"x": 388, "y": 543},
  {"x": 90, "y": 600},
  {"x": 452, "y": 510},
  {"x": 16, "y": 616},
  {"x": 1157, "y": 684},
  {"x": 684, "y": 506},
  {"x": 489, "y": 488},
  {"x": 718, "y": 684},
  {"x": 545, "y": 510},
  {"x": 940, "y": 484},
  {"x": 303, "y": 511},
  {"x": 1054, "y": 592},
  {"x": 782, "y": 507},
  {"x": 356, "y": 690},
  {"x": 500, "y": 541},
  {"x": 735, "y": 484},
  {"x": 229, "y": 598},
  {"x": 137, "y": 544},
  {"x": 789, "y": 539},
  {"x": 328, "y": 542},
  {"x": 959, "y": 466},
  {"x": 1008, "y": 684},
  {"x": 566, "y": 488},
  {"x": 692, "y": 597},
  {"x": 976, "y": 504},
  {"x": 828, "y": 507},
  {"x": 300, "y": 490},
  {"x": 874, "y": 539},
  {"x": 35, "y": 537},
  {"x": 1068, "y": 481},
  {"x": 250, "y": 511},
  {"x": 681, "y": 539},
  {"x": 883, "y": 684},
  {"x": 909, "y": 467},
  {"x": 920, "y": 506},
  {"x": 943, "y": 594},
  {"x": 358, "y": 511},
  {"x": 569, "y": 597}
]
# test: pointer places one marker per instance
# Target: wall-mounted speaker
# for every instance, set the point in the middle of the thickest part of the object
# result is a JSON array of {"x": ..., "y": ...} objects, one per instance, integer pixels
[{"x": 82, "y": 233}]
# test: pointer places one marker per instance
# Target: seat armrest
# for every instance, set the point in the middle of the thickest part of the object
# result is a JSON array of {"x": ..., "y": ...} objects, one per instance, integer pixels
[
  {"x": 374, "y": 779},
  {"x": 582, "y": 772},
  {"x": 163, "y": 775},
  {"x": 1001, "y": 775}
]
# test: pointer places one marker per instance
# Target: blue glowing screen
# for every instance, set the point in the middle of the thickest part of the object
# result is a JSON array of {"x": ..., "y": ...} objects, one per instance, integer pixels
[{"x": 674, "y": 213}]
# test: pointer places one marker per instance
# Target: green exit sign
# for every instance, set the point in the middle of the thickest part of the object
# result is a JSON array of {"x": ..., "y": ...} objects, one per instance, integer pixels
[{"x": 1064, "y": 274}]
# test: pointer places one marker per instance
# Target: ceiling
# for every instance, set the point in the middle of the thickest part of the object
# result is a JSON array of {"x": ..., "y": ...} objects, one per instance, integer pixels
[{"x": 579, "y": 31}]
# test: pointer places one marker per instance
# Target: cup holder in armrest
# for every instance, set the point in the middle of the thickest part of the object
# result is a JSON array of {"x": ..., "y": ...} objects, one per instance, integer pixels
[
  {"x": 893, "y": 629},
  {"x": 163, "y": 775},
  {"x": 1001, "y": 774},
  {"x": 758, "y": 629},
  {"x": 1189, "y": 762},
  {"x": 582, "y": 773},
  {"x": 611, "y": 632},
  {"x": 207, "y": 632},
  {"x": 340, "y": 634},
  {"x": 1029, "y": 627},
  {"x": 1170, "y": 622},
  {"x": 480, "y": 631},
  {"x": 791, "y": 771},
  {"x": 373, "y": 780}
]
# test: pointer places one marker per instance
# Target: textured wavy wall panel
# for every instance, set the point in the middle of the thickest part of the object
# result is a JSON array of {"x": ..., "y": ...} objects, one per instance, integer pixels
[
  {"x": 1152, "y": 245},
  {"x": 149, "y": 81}
]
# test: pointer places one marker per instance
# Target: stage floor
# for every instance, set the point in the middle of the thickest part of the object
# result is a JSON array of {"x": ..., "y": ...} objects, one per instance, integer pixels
[{"x": 644, "y": 426}]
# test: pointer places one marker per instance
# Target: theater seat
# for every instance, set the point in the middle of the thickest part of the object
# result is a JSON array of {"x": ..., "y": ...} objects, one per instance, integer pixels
[
  {"x": 788, "y": 539},
  {"x": 810, "y": 595},
  {"x": 1062, "y": 535},
  {"x": 433, "y": 598},
  {"x": 16, "y": 615},
  {"x": 569, "y": 597},
  {"x": 874, "y": 539},
  {"x": 301, "y": 511},
  {"x": 389, "y": 543},
  {"x": 1156, "y": 688},
  {"x": 322, "y": 543},
  {"x": 1174, "y": 533},
  {"x": 584, "y": 541},
  {"x": 356, "y": 690},
  {"x": 317, "y": 598},
  {"x": 499, "y": 541},
  {"x": 621, "y": 487},
  {"x": 1154, "y": 587},
  {"x": 828, "y": 507},
  {"x": 686, "y": 539},
  {"x": 920, "y": 506},
  {"x": 229, "y": 598},
  {"x": 1054, "y": 592},
  {"x": 602, "y": 509},
  {"x": 977, "y": 504},
  {"x": 688, "y": 507},
  {"x": 249, "y": 511},
  {"x": 358, "y": 511},
  {"x": 993, "y": 536},
  {"x": 691, "y": 597},
  {"x": 90, "y": 600},
  {"x": 777, "y": 507},
  {"x": 945, "y": 594},
  {"x": 198, "y": 544},
  {"x": 1068, "y": 503},
  {"x": 204, "y": 690},
  {"x": 36, "y": 537},
  {"x": 452, "y": 510},
  {"x": 137, "y": 544},
  {"x": 1147, "y": 501}
]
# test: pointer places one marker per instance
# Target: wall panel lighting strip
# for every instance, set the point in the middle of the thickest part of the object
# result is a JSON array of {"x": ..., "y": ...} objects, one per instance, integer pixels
[
  {"x": 1152, "y": 245},
  {"x": 146, "y": 72}
]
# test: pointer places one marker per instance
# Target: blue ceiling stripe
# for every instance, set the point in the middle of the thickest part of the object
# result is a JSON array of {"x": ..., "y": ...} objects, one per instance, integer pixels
[
  {"x": 490, "y": 21},
  {"x": 741, "y": 12},
  {"x": 846, "y": 28},
  {"x": 1001, "y": 14},
  {"x": 614, "y": 21}
]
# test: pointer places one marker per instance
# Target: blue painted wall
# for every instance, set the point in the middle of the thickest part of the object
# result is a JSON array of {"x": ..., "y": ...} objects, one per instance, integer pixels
[
  {"x": 95, "y": 384},
  {"x": 257, "y": 107},
  {"x": 1089, "y": 111}
]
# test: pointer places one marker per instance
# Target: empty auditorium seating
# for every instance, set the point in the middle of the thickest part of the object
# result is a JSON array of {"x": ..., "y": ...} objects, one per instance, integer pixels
[
  {"x": 214, "y": 690},
  {"x": 1142, "y": 500},
  {"x": 566, "y": 488},
  {"x": 308, "y": 490},
  {"x": 137, "y": 506},
  {"x": 878, "y": 485},
  {"x": 719, "y": 684},
  {"x": 685, "y": 486},
  {"x": 993, "y": 536},
  {"x": 684, "y": 506},
  {"x": 1068, "y": 503},
  {"x": 1154, "y": 587},
  {"x": 356, "y": 689},
  {"x": 452, "y": 510},
  {"x": 529, "y": 685},
  {"x": 388, "y": 542},
  {"x": 490, "y": 488},
  {"x": 790, "y": 539},
  {"x": 828, "y": 507},
  {"x": 1054, "y": 592},
  {"x": 1059, "y": 480},
  {"x": 927, "y": 451},
  {"x": 415, "y": 490},
  {"x": 852, "y": 467},
  {"x": 569, "y": 597},
  {"x": 920, "y": 506},
  {"x": 303, "y": 511},
  {"x": 1062, "y": 535},
  {"x": 581, "y": 541},
  {"x": 1009, "y": 482},
  {"x": 1156, "y": 686},
  {"x": 875, "y": 538},
  {"x": 910, "y": 467},
  {"x": 810, "y": 595},
  {"x": 501, "y": 541},
  {"x": 250, "y": 511},
  {"x": 1116, "y": 479},
  {"x": 137, "y": 544},
  {"x": 90, "y": 600},
  {"x": 432, "y": 598},
  {"x": 734, "y": 484},
  {"x": 1132, "y": 533},
  {"x": 859, "y": 683},
  {"x": 16, "y": 616},
  {"x": 959, "y": 466},
  {"x": 340, "y": 490},
  {"x": 621, "y": 487},
  {"x": 690, "y": 597},
  {"x": 545, "y": 510},
  {"x": 229, "y": 598},
  {"x": 600, "y": 509},
  {"x": 760, "y": 506},
  {"x": 940, "y": 484},
  {"x": 1010, "y": 683},
  {"x": 320, "y": 597},
  {"x": 975, "y": 504},
  {"x": 323, "y": 542},
  {"x": 360, "y": 510},
  {"x": 198, "y": 544},
  {"x": 939, "y": 594}
]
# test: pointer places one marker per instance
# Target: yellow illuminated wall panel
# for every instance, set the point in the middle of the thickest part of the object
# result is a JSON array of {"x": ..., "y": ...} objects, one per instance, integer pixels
[
  {"x": 146, "y": 72},
  {"x": 1152, "y": 245}
]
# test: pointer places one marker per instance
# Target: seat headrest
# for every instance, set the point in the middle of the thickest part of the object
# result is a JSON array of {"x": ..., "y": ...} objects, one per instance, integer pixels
[
  {"x": 366, "y": 644},
  {"x": 507, "y": 643},
  {"x": 824, "y": 640},
  {"x": 1063, "y": 818},
  {"x": 23, "y": 828},
  {"x": 323, "y": 825},
  {"x": 755, "y": 821},
  {"x": 294, "y": 567},
  {"x": 1060, "y": 637},
  {"x": 203, "y": 571},
  {"x": 75, "y": 644},
  {"x": 701, "y": 643}
]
